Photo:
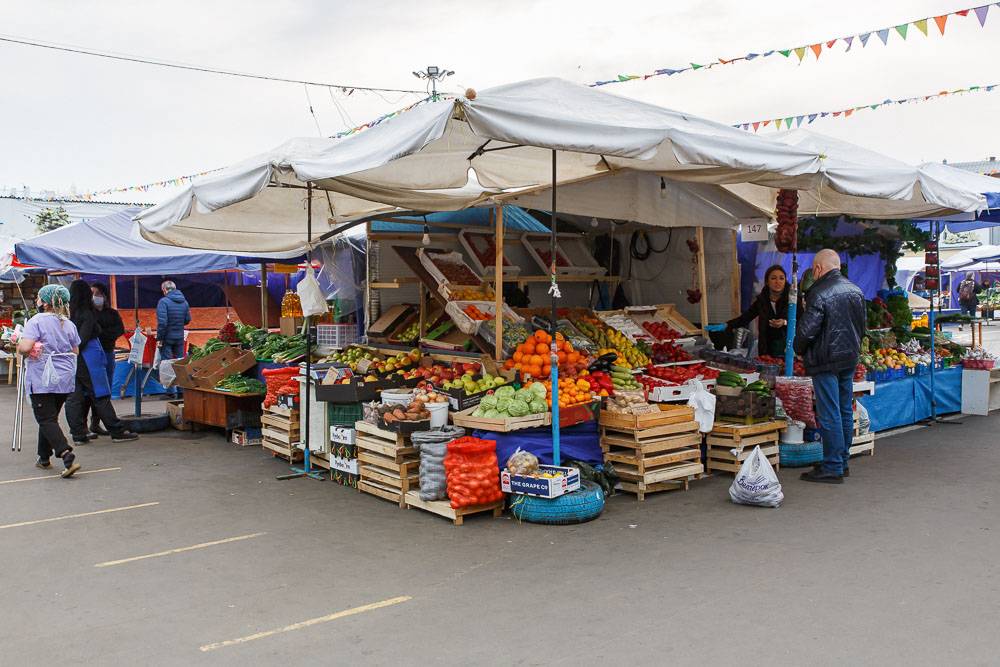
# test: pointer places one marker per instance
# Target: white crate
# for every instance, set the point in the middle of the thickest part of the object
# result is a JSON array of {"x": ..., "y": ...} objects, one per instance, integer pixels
[{"x": 336, "y": 335}]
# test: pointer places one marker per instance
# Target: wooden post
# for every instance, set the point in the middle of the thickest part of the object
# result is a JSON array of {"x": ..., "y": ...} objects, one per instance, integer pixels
[
  {"x": 735, "y": 310},
  {"x": 368, "y": 276},
  {"x": 263, "y": 296},
  {"x": 113, "y": 286},
  {"x": 498, "y": 283},
  {"x": 422, "y": 292},
  {"x": 702, "y": 281}
]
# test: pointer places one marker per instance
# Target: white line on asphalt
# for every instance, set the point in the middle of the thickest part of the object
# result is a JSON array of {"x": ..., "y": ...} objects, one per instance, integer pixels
[
  {"x": 77, "y": 516},
  {"x": 305, "y": 624},
  {"x": 179, "y": 550},
  {"x": 82, "y": 472}
]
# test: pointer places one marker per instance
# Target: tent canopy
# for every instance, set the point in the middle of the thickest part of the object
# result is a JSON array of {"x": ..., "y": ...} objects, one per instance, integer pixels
[
  {"x": 109, "y": 246},
  {"x": 971, "y": 256},
  {"x": 505, "y": 137}
]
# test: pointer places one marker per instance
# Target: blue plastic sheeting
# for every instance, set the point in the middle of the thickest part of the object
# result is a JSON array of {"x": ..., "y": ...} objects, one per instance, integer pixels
[
  {"x": 580, "y": 442},
  {"x": 515, "y": 219},
  {"x": 122, "y": 367},
  {"x": 109, "y": 246},
  {"x": 907, "y": 401}
]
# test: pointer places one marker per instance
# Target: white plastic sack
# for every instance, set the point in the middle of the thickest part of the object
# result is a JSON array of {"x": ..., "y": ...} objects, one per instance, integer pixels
[
  {"x": 167, "y": 374},
  {"x": 138, "y": 341},
  {"x": 703, "y": 403},
  {"x": 310, "y": 294},
  {"x": 756, "y": 483},
  {"x": 864, "y": 419}
]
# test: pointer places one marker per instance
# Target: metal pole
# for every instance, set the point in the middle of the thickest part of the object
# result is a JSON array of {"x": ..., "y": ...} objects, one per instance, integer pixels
[
  {"x": 138, "y": 366},
  {"x": 793, "y": 300},
  {"x": 930, "y": 322},
  {"x": 554, "y": 357},
  {"x": 309, "y": 222}
]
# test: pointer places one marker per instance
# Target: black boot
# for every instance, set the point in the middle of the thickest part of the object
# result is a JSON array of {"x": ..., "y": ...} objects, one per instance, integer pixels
[
  {"x": 96, "y": 428},
  {"x": 818, "y": 475},
  {"x": 69, "y": 460}
]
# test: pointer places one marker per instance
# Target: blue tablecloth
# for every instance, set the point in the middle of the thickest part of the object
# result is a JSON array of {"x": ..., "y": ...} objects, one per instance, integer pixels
[
  {"x": 581, "y": 442},
  {"x": 907, "y": 401},
  {"x": 122, "y": 368}
]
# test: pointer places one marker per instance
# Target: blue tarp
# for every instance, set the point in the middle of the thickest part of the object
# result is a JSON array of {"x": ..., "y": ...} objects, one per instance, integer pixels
[
  {"x": 580, "y": 442},
  {"x": 907, "y": 401},
  {"x": 515, "y": 219},
  {"x": 108, "y": 246}
]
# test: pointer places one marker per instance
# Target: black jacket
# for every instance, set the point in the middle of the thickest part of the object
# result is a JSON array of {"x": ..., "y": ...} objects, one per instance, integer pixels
[
  {"x": 88, "y": 328},
  {"x": 771, "y": 340},
  {"x": 829, "y": 334},
  {"x": 111, "y": 327}
]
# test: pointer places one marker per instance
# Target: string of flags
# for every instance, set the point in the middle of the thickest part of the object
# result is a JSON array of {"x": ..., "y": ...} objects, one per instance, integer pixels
[
  {"x": 786, "y": 122},
  {"x": 383, "y": 118},
  {"x": 903, "y": 30}
]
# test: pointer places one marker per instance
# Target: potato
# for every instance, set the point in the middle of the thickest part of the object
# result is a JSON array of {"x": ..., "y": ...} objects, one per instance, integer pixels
[
  {"x": 388, "y": 418},
  {"x": 398, "y": 413}
]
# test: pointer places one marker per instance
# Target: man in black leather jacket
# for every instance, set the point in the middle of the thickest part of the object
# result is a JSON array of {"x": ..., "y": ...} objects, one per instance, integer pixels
[{"x": 829, "y": 339}]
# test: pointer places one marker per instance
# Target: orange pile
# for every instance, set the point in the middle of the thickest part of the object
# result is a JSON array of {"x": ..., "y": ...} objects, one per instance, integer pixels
[
  {"x": 571, "y": 392},
  {"x": 476, "y": 314},
  {"x": 533, "y": 356}
]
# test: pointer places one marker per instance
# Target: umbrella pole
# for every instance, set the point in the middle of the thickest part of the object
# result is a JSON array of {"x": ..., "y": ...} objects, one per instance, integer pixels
[
  {"x": 793, "y": 299},
  {"x": 553, "y": 351},
  {"x": 138, "y": 366}
]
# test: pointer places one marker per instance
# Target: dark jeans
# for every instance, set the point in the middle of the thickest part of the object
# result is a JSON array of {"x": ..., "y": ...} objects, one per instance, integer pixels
[
  {"x": 834, "y": 412},
  {"x": 172, "y": 350},
  {"x": 968, "y": 308},
  {"x": 50, "y": 436},
  {"x": 78, "y": 406}
]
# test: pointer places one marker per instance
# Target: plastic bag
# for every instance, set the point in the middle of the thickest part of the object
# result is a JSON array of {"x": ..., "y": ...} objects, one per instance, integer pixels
[
  {"x": 310, "y": 294},
  {"x": 864, "y": 420},
  {"x": 433, "y": 446},
  {"x": 167, "y": 374},
  {"x": 756, "y": 483},
  {"x": 703, "y": 403},
  {"x": 138, "y": 341},
  {"x": 472, "y": 471},
  {"x": 522, "y": 463},
  {"x": 796, "y": 396}
]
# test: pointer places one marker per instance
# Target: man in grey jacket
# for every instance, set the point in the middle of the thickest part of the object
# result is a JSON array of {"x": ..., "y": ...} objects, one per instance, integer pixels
[{"x": 829, "y": 339}]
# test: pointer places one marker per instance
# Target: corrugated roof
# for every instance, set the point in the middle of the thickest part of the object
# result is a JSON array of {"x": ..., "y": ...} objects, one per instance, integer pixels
[
  {"x": 515, "y": 219},
  {"x": 988, "y": 167}
]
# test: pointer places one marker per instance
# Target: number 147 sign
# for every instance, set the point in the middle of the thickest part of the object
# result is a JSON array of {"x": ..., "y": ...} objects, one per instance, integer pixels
[{"x": 754, "y": 231}]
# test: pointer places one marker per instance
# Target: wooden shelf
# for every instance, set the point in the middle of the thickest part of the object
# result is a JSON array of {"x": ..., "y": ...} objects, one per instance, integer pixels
[
  {"x": 396, "y": 283},
  {"x": 560, "y": 279}
]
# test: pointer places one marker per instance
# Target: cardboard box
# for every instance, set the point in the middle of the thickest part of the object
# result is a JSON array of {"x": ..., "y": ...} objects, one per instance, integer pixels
[
  {"x": 343, "y": 451},
  {"x": 246, "y": 437},
  {"x": 543, "y": 487},
  {"x": 206, "y": 372},
  {"x": 343, "y": 435},
  {"x": 175, "y": 410},
  {"x": 349, "y": 466},
  {"x": 289, "y": 326}
]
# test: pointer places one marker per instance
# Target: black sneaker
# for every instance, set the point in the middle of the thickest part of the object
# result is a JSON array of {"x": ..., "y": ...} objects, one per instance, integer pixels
[
  {"x": 78, "y": 441},
  {"x": 42, "y": 463},
  {"x": 96, "y": 429},
  {"x": 847, "y": 470},
  {"x": 817, "y": 475},
  {"x": 124, "y": 436},
  {"x": 69, "y": 460}
]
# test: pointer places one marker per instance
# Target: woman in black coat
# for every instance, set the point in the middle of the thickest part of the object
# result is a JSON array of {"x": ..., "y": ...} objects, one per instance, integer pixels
[{"x": 770, "y": 309}]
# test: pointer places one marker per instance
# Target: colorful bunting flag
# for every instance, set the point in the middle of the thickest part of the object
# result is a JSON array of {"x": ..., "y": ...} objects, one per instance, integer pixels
[
  {"x": 864, "y": 39},
  {"x": 981, "y": 14},
  {"x": 816, "y": 48},
  {"x": 883, "y": 34},
  {"x": 941, "y": 20},
  {"x": 800, "y": 52},
  {"x": 921, "y": 26},
  {"x": 901, "y": 29}
]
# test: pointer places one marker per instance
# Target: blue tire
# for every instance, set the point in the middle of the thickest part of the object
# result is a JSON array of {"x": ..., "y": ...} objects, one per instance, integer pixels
[
  {"x": 802, "y": 454},
  {"x": 579, "y": 506}
]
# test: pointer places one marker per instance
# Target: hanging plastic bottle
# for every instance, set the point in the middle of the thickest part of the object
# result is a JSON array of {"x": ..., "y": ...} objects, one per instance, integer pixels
[{"x": 291, "y": 306}]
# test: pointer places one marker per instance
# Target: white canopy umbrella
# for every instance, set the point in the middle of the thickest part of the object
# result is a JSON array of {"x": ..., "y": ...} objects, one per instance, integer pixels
[
  {"x": 969, "y": 256},
  {"x": 509, "y": 136}
]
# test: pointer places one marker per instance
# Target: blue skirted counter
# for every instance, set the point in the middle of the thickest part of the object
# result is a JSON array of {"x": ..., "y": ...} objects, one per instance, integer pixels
[
  {"x": 908, "y": 400},
  {"x": 581, "y": 442}
]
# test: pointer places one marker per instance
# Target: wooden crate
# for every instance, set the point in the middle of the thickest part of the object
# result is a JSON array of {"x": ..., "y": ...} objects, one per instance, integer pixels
[
  {"x": 388, "y": 463},
  {"x": 725, "y": 438},
  {"x": 502, "y": 425},
  {"x": 863, "y": 444},
  {"x": 283, "y": 411},
  {"x": 667, "y": 414},
  {"x": 319, "y": 460},
  {"x": 282, "y": 450},
  {"x": 658, "y": 458},
  {"x": 444, "y": 508}
]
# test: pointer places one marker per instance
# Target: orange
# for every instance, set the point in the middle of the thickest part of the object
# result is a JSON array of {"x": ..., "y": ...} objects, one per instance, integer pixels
[
  {"x": 518, "y": 355},
  {"x": 536, "y": 360},
  {"x": 540, "y": 336},
  {"x": 573, "y": 357},
  {"x": 546, "y": 369},
  {"x": 509, "y": 364},
  {"x": 562, "y": 357},
  {"x": 541, "y": 348}
]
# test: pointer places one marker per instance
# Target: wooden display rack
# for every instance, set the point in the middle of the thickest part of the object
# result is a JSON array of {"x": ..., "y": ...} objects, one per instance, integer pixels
[
  {"x": 444, "y": 508},
  {"x": 280, "y": 433},
  {"x": 726, "y": 437},
  {"x": 388, "y": 463},
  {"x": 653, "y": 452}
]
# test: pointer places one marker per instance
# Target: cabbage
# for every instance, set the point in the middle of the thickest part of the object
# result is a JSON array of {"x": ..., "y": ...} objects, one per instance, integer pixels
[
  {"x": 479, "y": 412},
  {"x": 539, "y": 389},
  {"x": 494, "y": 414},
  {"x": 524, "y": 394},
  {"x": 504, "y": 392},
  {"x": 503, "y": 404},
  {"x": 538, "y": 406},
  {"x": 517, "y": 408},
  {"x": 489, "y": 401}
]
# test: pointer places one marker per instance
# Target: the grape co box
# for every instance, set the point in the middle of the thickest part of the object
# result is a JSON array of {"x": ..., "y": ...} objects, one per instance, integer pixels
[{"x": 543, "y": 487}]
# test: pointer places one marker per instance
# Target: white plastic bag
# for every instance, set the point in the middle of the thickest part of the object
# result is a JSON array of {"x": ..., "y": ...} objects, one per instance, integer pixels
[
  {"x": 138, "y": 341},
  {"x": 167, "y": 373},
  {"x": 864, "y": 420},
  {"x": 703, "y": 403},
  {"x": 310, "y": 294},
  {"x": 756, "y": 483}
]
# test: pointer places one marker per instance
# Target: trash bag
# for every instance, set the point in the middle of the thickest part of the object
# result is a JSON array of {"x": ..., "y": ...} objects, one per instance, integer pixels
[
  {"x": 703, "y": 403},
  {"x": 602, "y": 475},
  {"x": 756, "y": 483},
  {"x": 310, "y": 294}
]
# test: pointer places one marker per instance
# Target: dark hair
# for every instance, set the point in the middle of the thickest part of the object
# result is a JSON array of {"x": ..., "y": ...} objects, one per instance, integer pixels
[
  {"x": 80, "y": 297},
  {"x": 766, "y": 291},
  {"x": 101, "y": 288}
]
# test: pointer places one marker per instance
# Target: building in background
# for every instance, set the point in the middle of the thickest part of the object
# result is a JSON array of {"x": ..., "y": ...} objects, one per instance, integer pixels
[{"x": 19, "y": 208}]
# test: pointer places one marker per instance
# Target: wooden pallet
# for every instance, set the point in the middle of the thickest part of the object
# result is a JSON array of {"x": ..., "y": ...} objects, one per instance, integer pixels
[
  {"x": 667, "y": 414},
  {"x": 725, "y": 438},
  {"x": 658, "y": 458},
  {"x": 444, "y": 508},
  {"x": 863, "y": 444},
  {"x": 282, "y": 450},
  {"x": 320, "y": 460},
  {"x": 388, "y": 463},
  {"x": 640, "y": 489},
  {"x": 282, "y": 411}
]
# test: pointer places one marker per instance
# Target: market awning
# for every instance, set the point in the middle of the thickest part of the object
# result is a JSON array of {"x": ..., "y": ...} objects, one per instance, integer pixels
[
  {"x": 109, "y": 246},
  {"x": 421, "y": 161},
  {"x": 971, "y": 256}
]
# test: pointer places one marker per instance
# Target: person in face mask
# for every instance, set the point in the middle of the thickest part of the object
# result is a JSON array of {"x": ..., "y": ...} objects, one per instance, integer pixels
[{"x": 112, "y": 328}]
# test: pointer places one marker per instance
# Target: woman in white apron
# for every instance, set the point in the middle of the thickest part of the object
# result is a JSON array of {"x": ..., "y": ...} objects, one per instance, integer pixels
[{"x": 50, "y": 342}]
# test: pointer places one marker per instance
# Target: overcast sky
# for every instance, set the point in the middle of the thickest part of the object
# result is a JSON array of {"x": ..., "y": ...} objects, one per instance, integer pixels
[{"x": 77, "y": 120}]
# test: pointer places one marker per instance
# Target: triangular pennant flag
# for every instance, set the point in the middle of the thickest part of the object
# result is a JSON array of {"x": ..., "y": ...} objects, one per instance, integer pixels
[
  {"x": 941, "y": 20},
  {"x": 901, "y": 29},
  {"x": 837, "y": 113},
  {"x": 848, "y": 112},
  {"x": 765, "y": 123},
  {"x": 788, "y": 122},
  {"x": 756, "y": 125},
  {"x": 830, "y": 44},
  {"x": 864, "y": 39},
  {"x": 989, "y": 89},
  {"x": 798, "y": 121},
  {"x": 785, "y": 52},
  {"x": 981, "y": 14},
  {"x": 751, "y": 56},
  {"x": 813, "y": 117},
  {"x": 883, "y": 34},
  {"x": 817, "y": 49},
  {"x": 800, "y": 52},
  {"x": 777, "y": 124},
  {"x": 850, "y": 42},
  {"x": 767, "y": 53},
  {"x": 963, "y": 12},
  {"x": 874, "y": 106},
  {"x": 696, "y": 66},
  {"x": 921, "y": 26},
  {"x": 824, "y": 114}
]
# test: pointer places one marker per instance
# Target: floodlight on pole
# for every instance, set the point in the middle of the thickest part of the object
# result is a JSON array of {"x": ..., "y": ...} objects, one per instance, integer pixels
[{"x": 433, "y": 73}]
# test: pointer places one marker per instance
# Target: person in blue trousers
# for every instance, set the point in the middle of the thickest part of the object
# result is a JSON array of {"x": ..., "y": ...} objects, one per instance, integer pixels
[
  {"x": 828, "y": 338},
  {"x": 172, "y": 315}
]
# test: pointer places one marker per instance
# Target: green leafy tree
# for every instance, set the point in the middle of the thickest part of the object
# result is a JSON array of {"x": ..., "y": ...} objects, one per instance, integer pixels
[{"x": 51, "y": 218}]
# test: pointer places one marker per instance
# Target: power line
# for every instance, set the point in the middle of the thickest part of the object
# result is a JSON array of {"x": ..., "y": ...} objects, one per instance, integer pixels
[{"x": 194, "y": 68}]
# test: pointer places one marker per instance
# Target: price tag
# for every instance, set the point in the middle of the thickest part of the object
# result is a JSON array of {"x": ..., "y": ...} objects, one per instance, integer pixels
[{"x": 754, "y": 231}]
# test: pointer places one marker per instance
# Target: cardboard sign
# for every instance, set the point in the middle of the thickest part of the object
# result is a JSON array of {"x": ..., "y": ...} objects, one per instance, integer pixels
[{"x": 753, "y": 231}]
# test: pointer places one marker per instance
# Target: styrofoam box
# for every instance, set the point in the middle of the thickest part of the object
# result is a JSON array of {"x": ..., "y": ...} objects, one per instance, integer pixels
[
  {"x": 543, "y": 487},
  {"x": 349, "y": 466},
  {"x": 343, "y": 435}
]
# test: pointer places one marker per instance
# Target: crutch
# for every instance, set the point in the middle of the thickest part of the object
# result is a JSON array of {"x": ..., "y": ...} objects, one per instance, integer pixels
[{"x": 15, "y": 443}]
